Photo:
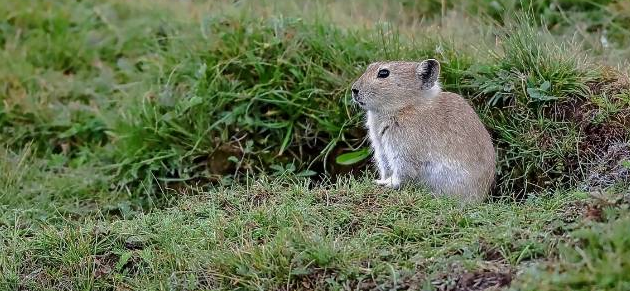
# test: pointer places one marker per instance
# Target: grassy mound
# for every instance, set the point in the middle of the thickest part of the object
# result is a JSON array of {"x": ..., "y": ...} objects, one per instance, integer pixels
[
  {"x": 271, "y": 94},
  {"x": 253, "y": 95},
  {"x": 175, "y": 102}
]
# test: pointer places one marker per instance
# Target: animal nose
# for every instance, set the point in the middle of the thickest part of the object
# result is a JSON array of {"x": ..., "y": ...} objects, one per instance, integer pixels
[{"x": 355, "y": 92}]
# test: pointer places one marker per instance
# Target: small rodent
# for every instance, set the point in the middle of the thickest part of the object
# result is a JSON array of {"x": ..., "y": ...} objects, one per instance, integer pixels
[{"x": 421, "y": 134}]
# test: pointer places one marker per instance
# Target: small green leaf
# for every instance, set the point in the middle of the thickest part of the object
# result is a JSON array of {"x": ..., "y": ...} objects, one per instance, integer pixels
[
  {"x": 192, "y": 102},
  {"x": 545, "y": 86},
  {"x": 353, "y": 157},
  {"x": 277, "y": 168},
  {"x": 306, "y": 173},
  {"x": 122, "y": 261},
  {"x": 537, "y": 95},
  {"x": 286, "y": 140}
]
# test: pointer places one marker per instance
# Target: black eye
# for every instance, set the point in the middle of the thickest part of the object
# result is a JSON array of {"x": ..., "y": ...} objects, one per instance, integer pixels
[{"x": 383, "y": 73}]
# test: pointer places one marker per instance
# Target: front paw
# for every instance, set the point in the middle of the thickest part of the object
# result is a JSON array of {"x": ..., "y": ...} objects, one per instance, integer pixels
[
  {"x": 383, "y": 181},
  {"x": 393, "y": 183}
]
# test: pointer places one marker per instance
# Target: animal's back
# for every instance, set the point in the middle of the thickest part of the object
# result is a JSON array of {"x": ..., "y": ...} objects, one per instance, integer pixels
[{"x": 465, "y": 147}]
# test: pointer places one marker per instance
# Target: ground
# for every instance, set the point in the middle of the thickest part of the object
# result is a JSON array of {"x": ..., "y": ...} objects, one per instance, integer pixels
[{"x": 191, "y": 145}]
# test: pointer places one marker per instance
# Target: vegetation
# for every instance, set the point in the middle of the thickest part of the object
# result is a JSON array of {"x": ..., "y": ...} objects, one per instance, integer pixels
[{"x": 194, "y": 145}]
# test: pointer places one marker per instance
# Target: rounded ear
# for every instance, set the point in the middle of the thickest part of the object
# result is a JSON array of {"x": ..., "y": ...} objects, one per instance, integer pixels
[{"x": 428, "y": 72}]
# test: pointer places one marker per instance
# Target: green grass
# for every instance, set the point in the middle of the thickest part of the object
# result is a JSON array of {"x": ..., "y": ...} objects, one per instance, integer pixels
[
  {"x": 272, "y": 234},
  {"x": 208, "y": 100},
  {"x": 195, "y": 145}
]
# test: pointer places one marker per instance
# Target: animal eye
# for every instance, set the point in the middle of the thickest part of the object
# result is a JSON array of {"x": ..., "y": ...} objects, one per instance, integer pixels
[{"x": 383, "y": 73}]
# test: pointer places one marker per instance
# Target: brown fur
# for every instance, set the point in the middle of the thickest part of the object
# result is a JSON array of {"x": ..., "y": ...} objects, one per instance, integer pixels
[{"x": 420, "y": 134}]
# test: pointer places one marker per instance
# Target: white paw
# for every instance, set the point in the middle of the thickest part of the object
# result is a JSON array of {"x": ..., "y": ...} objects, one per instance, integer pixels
[
  {"x": 393, "y": 183},
  {"x": 383, "y": 181}
]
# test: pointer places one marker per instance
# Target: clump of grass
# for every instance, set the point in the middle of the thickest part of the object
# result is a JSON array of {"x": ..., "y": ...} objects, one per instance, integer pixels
[
  {"x": 183, "y": 102},
  {"x": 62, "y": 68},
  {"x": 531, "y": 76},
  {"x": 268, "y": 94},
  {"x": 253, "y": 95},
  {"x": 257, "y": 94},
  {"x": 594, "y": 257},
  {"x": 36, "y": 189}
]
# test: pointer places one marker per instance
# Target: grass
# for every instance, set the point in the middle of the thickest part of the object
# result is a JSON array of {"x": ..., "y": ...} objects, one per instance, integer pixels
[
  {"x": 287, "y": 234},
  {"x": 237, "y": 94},
  {"x": 273, "y": 233},
  {"x": 199, "y": 145}
]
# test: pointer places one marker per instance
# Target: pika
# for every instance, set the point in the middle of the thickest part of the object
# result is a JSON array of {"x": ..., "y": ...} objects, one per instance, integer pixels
[{"x": 424, "y": 135}]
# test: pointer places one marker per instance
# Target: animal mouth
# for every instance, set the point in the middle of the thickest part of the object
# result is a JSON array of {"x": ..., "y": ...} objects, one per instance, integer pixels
[{"x": 356, "y": 100}]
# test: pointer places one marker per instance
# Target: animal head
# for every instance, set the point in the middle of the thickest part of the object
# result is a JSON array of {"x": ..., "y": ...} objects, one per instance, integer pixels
[{"x": 389, "y": 86}]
